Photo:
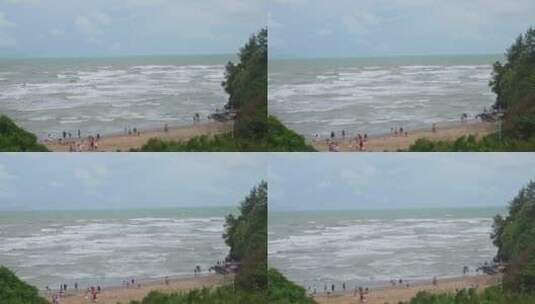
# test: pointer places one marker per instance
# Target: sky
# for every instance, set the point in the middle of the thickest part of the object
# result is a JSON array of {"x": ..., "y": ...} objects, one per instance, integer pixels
[
  {"x": 354, "y": 28},
  {"x": 299, "y": 182},
  {"x": 119, "y": 181},
  {"x": 56, "y": 28}
]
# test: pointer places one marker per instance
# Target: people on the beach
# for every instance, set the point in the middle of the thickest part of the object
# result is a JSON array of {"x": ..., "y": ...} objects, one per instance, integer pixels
[{"x": 465, "y": 270}]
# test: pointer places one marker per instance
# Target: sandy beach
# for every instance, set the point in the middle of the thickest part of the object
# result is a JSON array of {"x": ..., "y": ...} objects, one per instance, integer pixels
[
  {"x": 124, "y": 295},
  {"x": 393, "y": 295},
  {"x": 121, "y": 142},
  {"x": 390, "y": 143}
]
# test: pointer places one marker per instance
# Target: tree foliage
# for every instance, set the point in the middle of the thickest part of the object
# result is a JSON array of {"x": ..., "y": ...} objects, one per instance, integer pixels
[
  {"x": 15, "y": 291},
  {"x": 246, "y": 235},
  {"x": 246, "y": 84},
  {"x": 515, "y": 79},
  {"x": 15, "y": 139},
  {"x": 514, "y": 236}
]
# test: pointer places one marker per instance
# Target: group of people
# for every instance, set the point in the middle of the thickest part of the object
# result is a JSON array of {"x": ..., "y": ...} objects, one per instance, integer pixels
[
  {"x": 400, "y": 283},
  {"x": 360, "y": 141},
  {"x": 398, "y": 132},
  {"x": 361, "y": 292}
]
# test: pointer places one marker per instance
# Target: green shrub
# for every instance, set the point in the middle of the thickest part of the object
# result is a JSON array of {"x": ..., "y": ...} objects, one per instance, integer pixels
[
  {"x": 283, "y": 291},
  {"x": 15, "y": 291},
  {"x": 15, "y": 139}
]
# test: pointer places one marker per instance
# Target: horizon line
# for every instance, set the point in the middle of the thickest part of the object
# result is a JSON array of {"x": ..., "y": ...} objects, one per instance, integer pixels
[
  {"x": 298, "y": 57},
  {"x": 2, "y": 57},
  {"x": 117, "y": 209},
  {"x": 388, "y": 208}
]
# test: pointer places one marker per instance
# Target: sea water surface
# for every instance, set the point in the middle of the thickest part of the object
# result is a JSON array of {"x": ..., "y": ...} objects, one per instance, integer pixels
[
  {"x": 372, "y": 95},
  {"x": 107, "y": 95},
  {"x": 369, "y": 248},
  {"x": 106, "y": 247}
]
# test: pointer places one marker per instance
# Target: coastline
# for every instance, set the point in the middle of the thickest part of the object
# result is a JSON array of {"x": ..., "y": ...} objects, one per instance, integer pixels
[
  {"x": 122, "y": 294},
  {"x": 392, "y": 295},
  {"x": 390, "y": 143},
  {"x": 122, "y": 142}
]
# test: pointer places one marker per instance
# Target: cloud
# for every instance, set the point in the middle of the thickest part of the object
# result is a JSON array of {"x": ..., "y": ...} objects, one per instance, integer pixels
[
  {"x": 394, "y": 27},
  {"x": 93, "y": 24},
  {"x": 4, "y": 23},
  {"x": 93, "y": 176},
  {"x": 23, "y": 1},
  {"x": 6, "y": 179},
  {"x": 56, "y": 32}
]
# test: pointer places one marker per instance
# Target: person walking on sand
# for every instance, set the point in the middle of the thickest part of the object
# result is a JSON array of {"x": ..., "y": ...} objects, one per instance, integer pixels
[
  {"x": 435, "y": 283},
  {"x": 79, "y": 134},
  {"x": 344, "y": 286},
  {"x": 332, "y": 288},
  {"x": 76, "y": 286},
  {"x": 167, "y": 281}
]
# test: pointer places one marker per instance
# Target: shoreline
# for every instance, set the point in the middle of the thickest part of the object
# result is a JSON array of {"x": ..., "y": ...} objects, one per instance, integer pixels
[
  {"x": 122, "y": 294},
  {"x": 124, "y": 142},
  {"x": 391, "y": 143},
  {"x": 392, "y": 295}
]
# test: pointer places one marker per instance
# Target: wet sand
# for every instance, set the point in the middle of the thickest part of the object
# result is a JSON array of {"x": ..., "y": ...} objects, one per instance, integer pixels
[
  {"x": 393, "y": 295},
  {"x": 113, "y": 143},
  {"x": 124, "y": 295},
  {"x": 390, "y": 143}
]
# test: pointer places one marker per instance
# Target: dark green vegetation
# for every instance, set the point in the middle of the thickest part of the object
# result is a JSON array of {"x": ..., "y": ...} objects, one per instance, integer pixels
[
  {"x": 513, "y": 82},
  {"x": 278, "y": 139},
  {"x": 283, "y": 291},
  {"x": 492, "y": 295},
  {"x": 15, "y": 139},
  {"x": 282, "y": 139},
  {"x": 15, "y": 291},
  {"x": 514, "y": 236},
  {"x": 246, "y": 235},
  {"x": 246, "y": 84},
  {"x": 221, "y": 295}
]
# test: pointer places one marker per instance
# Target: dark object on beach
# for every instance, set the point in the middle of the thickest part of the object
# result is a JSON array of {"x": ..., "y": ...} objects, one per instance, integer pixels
[
  {"x": 226, "y": 268},
  {"x": 224, "y": 116}
]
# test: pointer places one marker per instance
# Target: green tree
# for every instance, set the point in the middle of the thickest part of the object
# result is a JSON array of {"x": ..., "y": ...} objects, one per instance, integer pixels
[
  {"x": 246, "y": 235},
  {"x": 246, "y": 84},
  {"x": 514, "y": 236}
]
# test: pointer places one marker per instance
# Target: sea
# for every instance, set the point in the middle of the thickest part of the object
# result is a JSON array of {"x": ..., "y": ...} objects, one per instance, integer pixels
[
  {"x": 371, "y": 247},
  {"x": 107, "y": 95},
  {"x": 104, "y": 248},
  {"x": 373, "y": 95}
]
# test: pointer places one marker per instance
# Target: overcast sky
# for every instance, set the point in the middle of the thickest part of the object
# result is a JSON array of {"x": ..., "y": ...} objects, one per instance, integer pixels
[
  {"x": 347, "y": 28},
  {"x": 99, "y": 181},
  {"x": 386, "y": 180},
  {"x": 126, "y": 27}
]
